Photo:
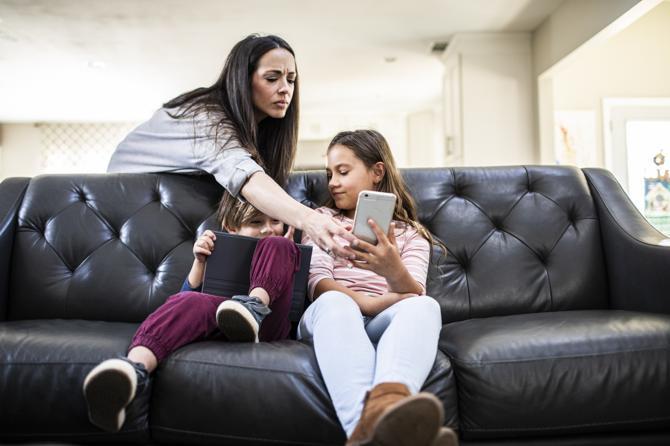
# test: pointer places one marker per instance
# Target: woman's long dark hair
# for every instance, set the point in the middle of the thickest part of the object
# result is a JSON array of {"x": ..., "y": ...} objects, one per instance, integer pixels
[{"x": 228, "y": 104}]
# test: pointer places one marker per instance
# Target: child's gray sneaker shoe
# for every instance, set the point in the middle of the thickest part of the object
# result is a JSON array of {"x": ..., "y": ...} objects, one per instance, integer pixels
[{"x": 240, "y": 317}]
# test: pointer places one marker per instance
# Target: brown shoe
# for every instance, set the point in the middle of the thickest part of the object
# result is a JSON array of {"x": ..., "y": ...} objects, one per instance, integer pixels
[
  {"x": 446, "y": 437},
  {"x": 392, "y": 417}
]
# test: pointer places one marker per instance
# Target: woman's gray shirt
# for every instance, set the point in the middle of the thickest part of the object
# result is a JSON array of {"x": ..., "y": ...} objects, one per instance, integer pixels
[{"x": 167, "y": 144}]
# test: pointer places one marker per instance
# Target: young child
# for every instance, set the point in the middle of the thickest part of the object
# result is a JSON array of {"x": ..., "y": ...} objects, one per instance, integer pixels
[
  {"x": 373, "y": 329},
  {"x": 191, "y": 316}
]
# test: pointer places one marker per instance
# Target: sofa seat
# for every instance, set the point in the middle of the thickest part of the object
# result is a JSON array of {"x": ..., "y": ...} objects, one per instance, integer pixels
[
  {"x": 560, "y": 372},
  {"x": 51, "y": 357},
  {"x": 201, "y": 391}
]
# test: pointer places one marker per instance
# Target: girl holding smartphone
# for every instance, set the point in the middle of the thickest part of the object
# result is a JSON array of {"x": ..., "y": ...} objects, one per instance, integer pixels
[{"x": 373, "y": 328}]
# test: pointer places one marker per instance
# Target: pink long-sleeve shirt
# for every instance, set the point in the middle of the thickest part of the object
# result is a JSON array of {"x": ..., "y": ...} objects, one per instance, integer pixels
[{"x": 414, "y": 252}]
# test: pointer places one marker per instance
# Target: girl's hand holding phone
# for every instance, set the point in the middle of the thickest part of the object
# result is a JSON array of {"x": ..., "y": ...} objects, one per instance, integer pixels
[
  {"x": 203, "y": 246},
  {"x": 382, "y": 258}
]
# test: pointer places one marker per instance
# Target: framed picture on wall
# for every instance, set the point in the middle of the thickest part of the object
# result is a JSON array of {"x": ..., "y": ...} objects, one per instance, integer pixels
[{"x": 575, "y": 137}]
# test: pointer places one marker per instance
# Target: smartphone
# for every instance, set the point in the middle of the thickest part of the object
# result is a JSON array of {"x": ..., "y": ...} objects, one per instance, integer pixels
[{"x": 374, "y": 205}]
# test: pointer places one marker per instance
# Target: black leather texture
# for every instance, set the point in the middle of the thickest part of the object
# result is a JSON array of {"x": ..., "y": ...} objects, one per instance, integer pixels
[
  {"x": 279, "y": 380},
  {"x": 106, "y": 247},
  {"x": 552, "y": 294},
  {"x": 520, "y": 239},
  {"x": 636, "y": 254},
  {"x": 11, "y": 195},
  {"x": 42, "y": 368},
  {"x": 561, "y": 372}
]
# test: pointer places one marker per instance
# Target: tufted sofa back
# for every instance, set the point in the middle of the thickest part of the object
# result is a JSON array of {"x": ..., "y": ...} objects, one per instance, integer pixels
[
  {"x": 106, "y": 247},
  {"x": 520, "y": 239},
  {"x": 114, "y": 247}
]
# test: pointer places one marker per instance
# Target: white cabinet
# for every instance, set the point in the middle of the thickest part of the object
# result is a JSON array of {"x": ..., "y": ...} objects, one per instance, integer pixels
[
  {"x": 451, "y": 93},
  {"x": 488, "y": 100}
]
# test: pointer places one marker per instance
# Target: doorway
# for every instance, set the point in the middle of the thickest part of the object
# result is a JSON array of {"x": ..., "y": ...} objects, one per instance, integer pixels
[{"x": 637, "y": 151}]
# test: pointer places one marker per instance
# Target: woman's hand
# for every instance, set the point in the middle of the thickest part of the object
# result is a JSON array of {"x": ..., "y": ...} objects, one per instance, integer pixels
[
  {"x": 203, "y": 246},
  {"x": 265, "y": 195},
  {"x": 322, "y": 228},
  {"x": 382, "y": 258}
]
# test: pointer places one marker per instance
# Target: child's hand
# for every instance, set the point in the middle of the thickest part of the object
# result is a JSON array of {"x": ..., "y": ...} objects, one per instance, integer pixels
[
  {"x": 382, "y": 258},
  {"x": 289, "y": 233},
  {"x": 203, "y": 246},
  {"x": 375, "y": 305},
  {"x": 397, "y": 297}
]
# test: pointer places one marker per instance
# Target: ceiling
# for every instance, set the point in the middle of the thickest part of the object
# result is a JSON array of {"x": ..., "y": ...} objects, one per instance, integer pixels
[{"x": 95, "y": 60}]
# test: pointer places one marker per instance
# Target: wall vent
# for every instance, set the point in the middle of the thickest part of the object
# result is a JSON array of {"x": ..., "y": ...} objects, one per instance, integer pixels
[{"x": 439, "y": 47}]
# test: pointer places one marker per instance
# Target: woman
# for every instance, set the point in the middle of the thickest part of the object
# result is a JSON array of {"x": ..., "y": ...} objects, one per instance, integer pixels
[{"x": 243, "y": 130}]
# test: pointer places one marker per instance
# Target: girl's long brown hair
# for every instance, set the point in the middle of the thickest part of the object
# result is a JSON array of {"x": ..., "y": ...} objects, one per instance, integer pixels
[{"x": 371, "y": 147}]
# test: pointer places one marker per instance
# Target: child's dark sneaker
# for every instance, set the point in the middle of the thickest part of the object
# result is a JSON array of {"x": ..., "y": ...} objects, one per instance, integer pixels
[
  {"x": 109, "y": 388},
  {"x": 240, "y": 317}
]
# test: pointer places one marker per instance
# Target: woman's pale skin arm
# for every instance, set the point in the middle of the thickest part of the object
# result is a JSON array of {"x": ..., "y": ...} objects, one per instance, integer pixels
[
  {"x": 369, "y": 305},
  {"x": 265, "y": 195}
]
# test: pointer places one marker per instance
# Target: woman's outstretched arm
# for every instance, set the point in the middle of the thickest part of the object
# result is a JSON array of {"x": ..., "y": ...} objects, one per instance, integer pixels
[{"x": 265, "y": 195}]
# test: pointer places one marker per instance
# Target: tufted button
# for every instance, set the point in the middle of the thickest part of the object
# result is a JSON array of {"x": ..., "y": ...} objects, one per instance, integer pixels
[
  {"x": 464, "y": 263},
  {"x": 81, "y": 195},
  {"x": 497, "y": 223}
]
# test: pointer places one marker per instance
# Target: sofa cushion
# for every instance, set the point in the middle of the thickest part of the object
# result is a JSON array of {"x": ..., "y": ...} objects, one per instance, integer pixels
[
  {"x": 561, "y": 372},
  {"x": 254, "y": 393},
  {"x": 42, "y": 368}
]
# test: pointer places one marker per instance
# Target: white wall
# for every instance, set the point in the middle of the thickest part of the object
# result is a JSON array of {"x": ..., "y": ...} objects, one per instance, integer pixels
[
  {"x": 425, "y": 141},
  {"x": 324, "y": 126},
  {"x": 311, "y": 154},
  {"x": 22, "y": 146},
  {"x": 31, "y": 149},
  {"x": 20, "y": 150},
  {"x": 570, "y": 26},
  {"x": 496, "y": 98},
  {"x": 634, "y": 63},
  {"x": 576, "y": 27}
]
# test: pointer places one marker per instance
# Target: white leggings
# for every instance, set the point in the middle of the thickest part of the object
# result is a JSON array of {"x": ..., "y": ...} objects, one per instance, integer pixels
[{"x": 344, "y": 340}]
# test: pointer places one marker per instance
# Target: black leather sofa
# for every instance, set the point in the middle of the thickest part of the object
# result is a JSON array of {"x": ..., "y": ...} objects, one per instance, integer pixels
[{"x": 554, "y": 294}]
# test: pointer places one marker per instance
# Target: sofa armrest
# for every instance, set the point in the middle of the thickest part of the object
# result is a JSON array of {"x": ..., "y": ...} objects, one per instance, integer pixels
[
  {"x": 12, "y": 191},
  {"x": 637, "y": 255}
]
